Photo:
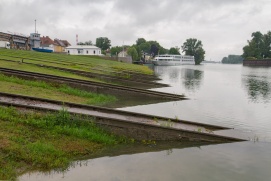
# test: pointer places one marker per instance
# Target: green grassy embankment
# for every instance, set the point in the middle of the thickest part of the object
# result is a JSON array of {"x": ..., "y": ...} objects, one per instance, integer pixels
[
  {"x": 46, "y": 141},
  {"x": 58, "y": 92},
  {"x": 43, "y": 70},
  {"x": 93, "y": 64}
]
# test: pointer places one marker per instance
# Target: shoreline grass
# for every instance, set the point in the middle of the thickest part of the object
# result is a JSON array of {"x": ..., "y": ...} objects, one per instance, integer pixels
[
  {"x": 62, "y": 92},
  {"x": 45, "y": 141}
]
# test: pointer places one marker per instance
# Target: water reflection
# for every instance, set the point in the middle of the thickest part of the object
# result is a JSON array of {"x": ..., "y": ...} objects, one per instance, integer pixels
[
  {"x": 192, "y": 79},
  {"x": 257, "y": 84},
  {"x": 117, "y": 153},
  {"x": 167, "y": 146},
  {"x": 258, "y": 90},
  {"x": 239, "y": 161}
]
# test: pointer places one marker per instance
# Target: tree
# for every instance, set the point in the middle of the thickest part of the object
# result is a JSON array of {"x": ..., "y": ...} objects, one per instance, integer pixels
[
  {"x": 139, "y": 41},
  {"x": 133, "y": 53},
  {"x": 266, "y": 49},
  {"x": 86, "y": 43},
  {"x": 194, "y": 47},
  {"x": 257, "y": 42},
  {"x": 115, "y": 50},
  {"x": 103, "y": 42},
  {"x": 154, "y": 50},
  {"x": 174, "y": 51},
  {"x": 249, "y": 50},
  {"x": 259, "y": 46},
  {"x": 163, "y": 50},
  {"x": 145, "y": 47}
]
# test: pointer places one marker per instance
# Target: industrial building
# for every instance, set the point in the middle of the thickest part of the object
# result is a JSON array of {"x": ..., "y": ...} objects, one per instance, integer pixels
[{"x": 17, "y": 41}]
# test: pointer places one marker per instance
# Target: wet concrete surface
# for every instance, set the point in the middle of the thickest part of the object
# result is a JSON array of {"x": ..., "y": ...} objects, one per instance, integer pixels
[
  {"x": 130, "y": 118},
  {"x": 107, "y": 114}
]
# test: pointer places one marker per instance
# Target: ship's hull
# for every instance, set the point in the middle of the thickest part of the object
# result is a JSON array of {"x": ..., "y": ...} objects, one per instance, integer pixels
[
  {"x": 43, "y": 50},
  {"x": 171, "y": 63}
]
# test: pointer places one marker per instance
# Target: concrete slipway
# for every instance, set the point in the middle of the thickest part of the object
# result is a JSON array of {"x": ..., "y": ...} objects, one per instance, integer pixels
[{"x": 131, "y": 124}]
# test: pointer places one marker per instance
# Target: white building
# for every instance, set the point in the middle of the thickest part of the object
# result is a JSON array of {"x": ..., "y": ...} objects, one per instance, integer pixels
[
  {"x": 123, "y": 53},
  {"x": 83, "y": 50}
]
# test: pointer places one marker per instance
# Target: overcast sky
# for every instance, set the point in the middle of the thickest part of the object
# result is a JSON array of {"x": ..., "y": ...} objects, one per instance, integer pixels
[{"x": 223, "y": 26}]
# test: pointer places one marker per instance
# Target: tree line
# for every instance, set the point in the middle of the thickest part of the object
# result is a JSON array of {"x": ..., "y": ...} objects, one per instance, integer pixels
[
  {"x": 233, "y": 59},
  {"x": 191, "y": 46},
  {"x": 259, "y": 47}
]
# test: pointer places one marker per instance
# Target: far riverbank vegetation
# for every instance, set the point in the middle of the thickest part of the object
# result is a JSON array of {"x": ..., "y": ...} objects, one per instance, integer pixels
[{"x": 259, "y": 47}]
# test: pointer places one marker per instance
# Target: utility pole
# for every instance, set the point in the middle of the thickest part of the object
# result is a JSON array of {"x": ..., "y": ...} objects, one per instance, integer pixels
[
  {"x": 35, "y": 26},
  {"x": 122, "y": 48}
]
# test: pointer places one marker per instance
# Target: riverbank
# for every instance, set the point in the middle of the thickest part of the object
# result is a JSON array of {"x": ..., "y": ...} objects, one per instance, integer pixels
[
  {"x": 46, "y": 141},
  {"x": 40, "y": 141},
  {"x": 261, "y": 62}
]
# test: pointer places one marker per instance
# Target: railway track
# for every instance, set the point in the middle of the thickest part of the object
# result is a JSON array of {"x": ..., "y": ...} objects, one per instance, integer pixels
[
  {"x": 82, "y": 83},
  {"x": 139, "y": 126}
]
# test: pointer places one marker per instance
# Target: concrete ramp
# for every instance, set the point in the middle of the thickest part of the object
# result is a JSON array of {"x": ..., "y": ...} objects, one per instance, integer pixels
[{"x": 131, "y": 124}]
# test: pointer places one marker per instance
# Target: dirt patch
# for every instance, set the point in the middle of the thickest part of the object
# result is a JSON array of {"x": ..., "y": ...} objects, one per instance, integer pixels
[
  {"x": 78, "y": 147},
  {"x": 4, "y": 142}
]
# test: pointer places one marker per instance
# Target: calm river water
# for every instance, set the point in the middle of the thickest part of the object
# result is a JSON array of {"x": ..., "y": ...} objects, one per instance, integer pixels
[{"x": 226, "y": 95}]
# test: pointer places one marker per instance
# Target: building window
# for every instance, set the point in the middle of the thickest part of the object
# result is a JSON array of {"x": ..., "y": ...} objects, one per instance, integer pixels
[
  {"x": 87, "y": 51},
  {"x": 80, "y": 51},
  {"x": 94, "y": 52},
  {"x": 68, "y": 51}
]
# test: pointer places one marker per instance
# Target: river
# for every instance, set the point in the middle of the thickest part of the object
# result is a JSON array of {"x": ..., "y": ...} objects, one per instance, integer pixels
[{"x": 228, "y": 95}]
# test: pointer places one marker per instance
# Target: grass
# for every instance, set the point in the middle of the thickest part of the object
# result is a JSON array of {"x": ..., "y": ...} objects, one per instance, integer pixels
[
  {"x": 44, "y": 70},
  {"x": 60, "y": 92},
  {"x": 78, "y": 62},
  {"x": 51, "y": 141},
  {"x": 39, "y": 141}
]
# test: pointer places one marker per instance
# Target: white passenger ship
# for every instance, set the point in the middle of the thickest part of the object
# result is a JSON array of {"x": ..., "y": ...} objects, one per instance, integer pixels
[{"x": 171, "y": 60}]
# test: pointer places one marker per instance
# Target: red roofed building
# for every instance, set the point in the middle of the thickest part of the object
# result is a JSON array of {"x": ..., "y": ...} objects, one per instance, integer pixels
[
  {"x": 60, "y": 45},
  {"x": 56, "y": 45},
  {"x": 47, "y": 43}
]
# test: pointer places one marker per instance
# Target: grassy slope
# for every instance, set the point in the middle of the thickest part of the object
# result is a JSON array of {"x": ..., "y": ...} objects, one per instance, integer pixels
[
  {"x": 78, "y": 62},
  {"x": 37, "y": 69},
  {"x": 46, "y": 141},
  {"x": 34, "y": 141},
  {"x": 51, "y": 91}
]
